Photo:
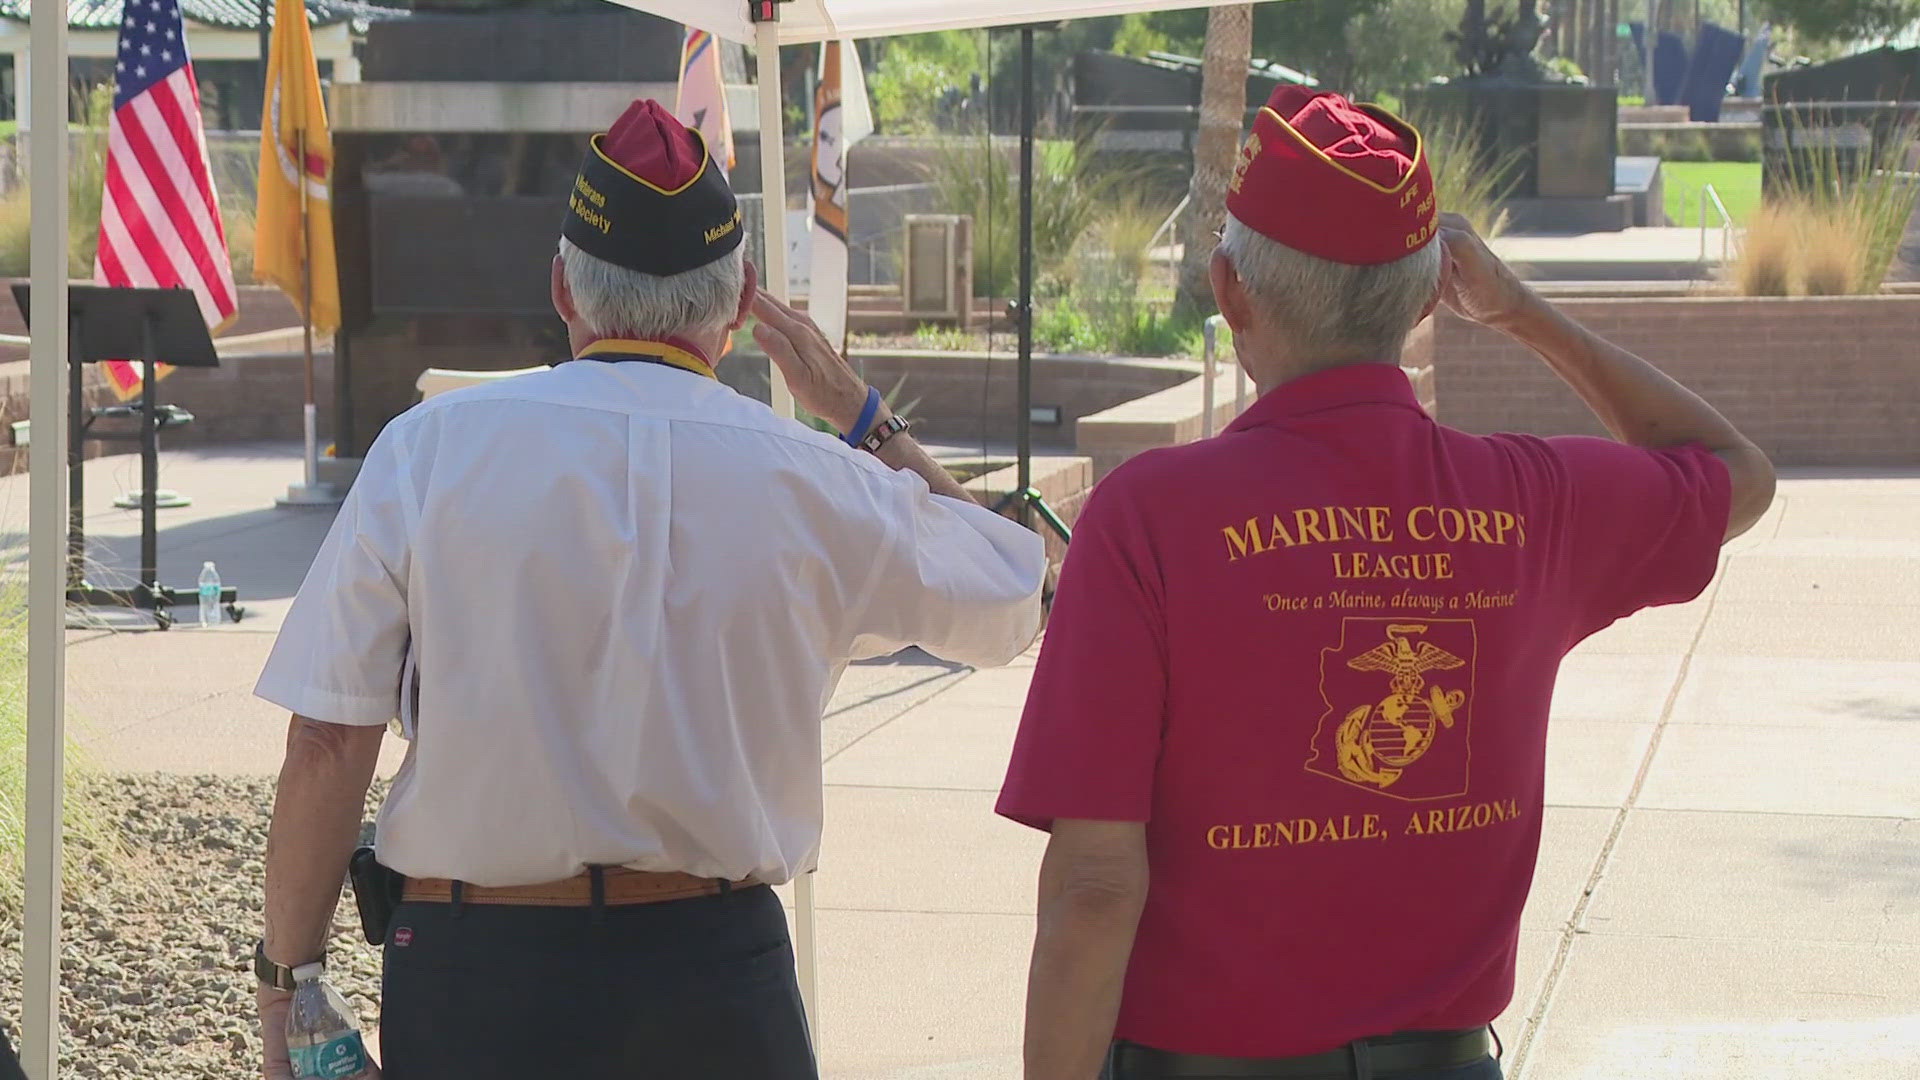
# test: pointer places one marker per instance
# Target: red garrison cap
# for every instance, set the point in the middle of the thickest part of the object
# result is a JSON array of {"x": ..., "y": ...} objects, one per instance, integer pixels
[
  {"x": 649, "y": 143},
  {"x": 1344, "y": 182}
]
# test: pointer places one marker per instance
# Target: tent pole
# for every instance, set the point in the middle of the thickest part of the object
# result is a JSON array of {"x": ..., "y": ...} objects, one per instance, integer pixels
[
  {"x": 1024, "y": 423},
  {"x": 773, "y": 203},
  {"x": 773, "y": 199},
  {"x": 46, "y": 553}
]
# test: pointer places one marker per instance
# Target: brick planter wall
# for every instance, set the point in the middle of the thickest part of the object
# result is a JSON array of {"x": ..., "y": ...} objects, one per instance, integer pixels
[
  {"x": 1815, "y": 382},
  {"x": 245, "y": 399},
  {"x": 14, "y": 407},
  {"x": 249, "y": 399}
]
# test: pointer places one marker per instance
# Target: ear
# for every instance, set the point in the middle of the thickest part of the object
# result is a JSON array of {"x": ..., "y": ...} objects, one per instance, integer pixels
[
  {"x": 1440, "y": 284},
  {"x": 747, "y": 294},
  {"x": 1228, "y": 293},
  {"x": 562, "y": 298}
]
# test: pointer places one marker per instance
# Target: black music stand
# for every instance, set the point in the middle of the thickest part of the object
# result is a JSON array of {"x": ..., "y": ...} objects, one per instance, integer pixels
[{"x": 153, "y": 326}]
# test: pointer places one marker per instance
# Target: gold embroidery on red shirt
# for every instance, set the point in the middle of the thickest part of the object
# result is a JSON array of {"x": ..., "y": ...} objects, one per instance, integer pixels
[{"x": 1374, "y": 745}]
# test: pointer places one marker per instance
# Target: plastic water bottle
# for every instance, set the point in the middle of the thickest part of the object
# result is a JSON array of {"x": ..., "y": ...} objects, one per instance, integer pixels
[
  {"x": 323, "y": 1036},
  {"x": 209, "y": 596}
]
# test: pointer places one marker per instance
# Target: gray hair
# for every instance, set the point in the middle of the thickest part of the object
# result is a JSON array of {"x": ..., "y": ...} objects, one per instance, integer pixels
[
  {"x": 1331, "y": 310},
  {"x": 616, "y": 302}
]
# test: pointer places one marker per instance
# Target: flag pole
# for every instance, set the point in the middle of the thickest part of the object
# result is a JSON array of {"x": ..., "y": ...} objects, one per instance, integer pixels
[
  {"x": 311, "y": 492},
  {"x": 306, "y": 318}
]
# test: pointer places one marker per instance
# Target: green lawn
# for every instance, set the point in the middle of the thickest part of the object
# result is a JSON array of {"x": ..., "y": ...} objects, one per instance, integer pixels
[{"x": 1737, "y": 183}]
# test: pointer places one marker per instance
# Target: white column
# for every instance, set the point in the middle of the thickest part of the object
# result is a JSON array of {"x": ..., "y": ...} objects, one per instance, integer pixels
[
  {"x": 773, "y": 203},
  {"x": 46, "y": 550}
]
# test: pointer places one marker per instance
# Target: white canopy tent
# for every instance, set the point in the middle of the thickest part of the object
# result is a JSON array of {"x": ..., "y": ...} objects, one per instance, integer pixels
[
  {"x": 802, "y": 21},
  {"x": 764, "y": 24}
]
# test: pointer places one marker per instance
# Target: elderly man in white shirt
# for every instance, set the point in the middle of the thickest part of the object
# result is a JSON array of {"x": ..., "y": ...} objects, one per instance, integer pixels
[{"x": 608, "y": 603}]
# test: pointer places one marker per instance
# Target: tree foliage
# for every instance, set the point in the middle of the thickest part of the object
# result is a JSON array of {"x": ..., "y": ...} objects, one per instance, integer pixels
[
  {"x": 1845, "y": 20},
  {"x": 912, "y": 76},
  {"x": 1364, "y": 47}
]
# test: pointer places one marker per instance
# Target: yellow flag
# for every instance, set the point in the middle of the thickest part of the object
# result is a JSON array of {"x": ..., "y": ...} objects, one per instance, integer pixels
[{"x": 294, "y": 222}]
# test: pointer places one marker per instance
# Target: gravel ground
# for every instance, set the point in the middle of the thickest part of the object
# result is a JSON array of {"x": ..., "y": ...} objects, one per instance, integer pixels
[{"x": 157, "y": 952}]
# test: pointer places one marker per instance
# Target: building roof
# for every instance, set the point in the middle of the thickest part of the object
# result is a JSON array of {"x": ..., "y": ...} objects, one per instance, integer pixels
[{"x": 225, "y": 14}]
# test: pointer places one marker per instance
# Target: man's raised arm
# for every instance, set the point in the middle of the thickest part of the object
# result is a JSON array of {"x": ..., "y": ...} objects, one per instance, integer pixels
[{"x": 1639, "y": 403}]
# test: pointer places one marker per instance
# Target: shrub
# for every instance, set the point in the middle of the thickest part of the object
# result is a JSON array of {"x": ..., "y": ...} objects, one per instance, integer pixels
[
  {"x": 943, "y": 338},
  {"x": 1834, "y": 220},
  {"x": 89, "y": 837},
  {"x": 1832, "y": 257},
  {"x": 16, "y": 233},
  {"x": 1470, "y": 180},
  {"x": 984, "y": 184},
  {"x": 1100, "y": 301},
  {"x": 1764, "y": 265},
  {"x": 1061, "y": 326}
]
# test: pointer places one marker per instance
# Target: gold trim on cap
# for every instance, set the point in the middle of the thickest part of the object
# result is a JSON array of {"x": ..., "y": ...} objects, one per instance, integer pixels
[
  {"x": 706, "y": 157},
  {"x": 1419, "y": 148}
]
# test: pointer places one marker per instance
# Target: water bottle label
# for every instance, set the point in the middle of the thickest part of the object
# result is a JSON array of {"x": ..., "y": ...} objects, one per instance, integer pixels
[
  {"x": 209, "y": 592},
  {"x": 342, "y": 1056}
]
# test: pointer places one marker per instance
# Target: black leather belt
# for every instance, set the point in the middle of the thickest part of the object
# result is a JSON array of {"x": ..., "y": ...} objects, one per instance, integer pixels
[{"x": 1383, "y": 1057}]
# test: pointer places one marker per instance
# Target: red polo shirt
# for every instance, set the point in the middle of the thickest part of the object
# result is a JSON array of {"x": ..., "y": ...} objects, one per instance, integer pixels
[{"x": 1315, "y": 656}]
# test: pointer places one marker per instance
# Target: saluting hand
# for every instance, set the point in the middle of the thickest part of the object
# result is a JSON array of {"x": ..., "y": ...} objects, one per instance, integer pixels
[
  {"x": 1476, "y": 284},
  {"x": 822, "y": 381}
]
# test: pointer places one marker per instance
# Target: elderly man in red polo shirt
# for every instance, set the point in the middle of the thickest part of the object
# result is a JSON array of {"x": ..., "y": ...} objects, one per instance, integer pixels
[{"x": 1288, "y": 727}]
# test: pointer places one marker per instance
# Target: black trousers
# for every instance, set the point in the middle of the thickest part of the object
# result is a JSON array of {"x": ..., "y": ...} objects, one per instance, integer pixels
[
  {"x": 1488, "y": 1069},
  {"x": 1485, "y": 1070},
  {"x": 9, "y": 1064},
  {"x": 693, "y": 988}
]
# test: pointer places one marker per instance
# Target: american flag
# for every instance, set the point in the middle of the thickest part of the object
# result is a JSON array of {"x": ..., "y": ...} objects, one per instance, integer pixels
[{"x": 160, "y": 219}]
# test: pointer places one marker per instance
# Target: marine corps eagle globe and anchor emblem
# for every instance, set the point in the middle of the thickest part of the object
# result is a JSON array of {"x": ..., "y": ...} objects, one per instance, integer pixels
[{"x": 1413, "y": 743}]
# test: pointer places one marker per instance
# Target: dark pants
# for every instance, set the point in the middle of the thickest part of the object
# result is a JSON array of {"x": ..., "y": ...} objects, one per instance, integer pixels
[
  {"x": 687, "y": 988},
  {"x": 1483, "y": 1070},
  {"x": 9, "y": 1064}
]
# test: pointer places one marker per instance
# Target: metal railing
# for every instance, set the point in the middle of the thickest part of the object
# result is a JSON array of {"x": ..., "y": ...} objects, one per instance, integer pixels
[
  {"x": 1166, "y": 227},
  {"x": 1708, "y": 194}
]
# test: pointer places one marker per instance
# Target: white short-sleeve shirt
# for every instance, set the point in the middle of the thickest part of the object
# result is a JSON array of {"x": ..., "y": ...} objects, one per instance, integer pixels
[{"x": 610, "y": 602}]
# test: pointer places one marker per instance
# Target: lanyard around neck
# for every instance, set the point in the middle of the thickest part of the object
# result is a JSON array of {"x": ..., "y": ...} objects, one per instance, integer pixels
[{"x": 620, "y": 350}]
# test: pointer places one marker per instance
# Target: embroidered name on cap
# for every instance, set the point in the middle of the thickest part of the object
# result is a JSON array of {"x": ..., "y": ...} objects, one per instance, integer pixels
[
  {"x": 649, "y": 197},
  {"x": 1343, "y": 182}
]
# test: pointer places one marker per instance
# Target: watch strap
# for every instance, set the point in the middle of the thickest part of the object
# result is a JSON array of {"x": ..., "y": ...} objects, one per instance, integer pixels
[
  {"x": 277, "y": 976},
  {"x": 888, "y": 428}
]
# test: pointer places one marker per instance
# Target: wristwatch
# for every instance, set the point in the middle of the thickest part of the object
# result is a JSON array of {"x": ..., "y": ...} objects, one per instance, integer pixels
[
  {"x": 887, "y": 429},
  {"x": 277, "y": 976}
]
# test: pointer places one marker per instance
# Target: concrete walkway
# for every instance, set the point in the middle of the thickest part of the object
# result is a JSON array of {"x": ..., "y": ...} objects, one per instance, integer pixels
[{"x": 1729, "y": 885}]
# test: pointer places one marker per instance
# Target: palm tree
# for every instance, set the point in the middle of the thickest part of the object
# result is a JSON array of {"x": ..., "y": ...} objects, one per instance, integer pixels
[{"x": 1223, "y": 109}]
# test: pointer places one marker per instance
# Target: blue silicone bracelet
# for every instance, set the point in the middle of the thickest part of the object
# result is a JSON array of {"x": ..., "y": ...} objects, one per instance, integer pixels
[{"x": 865, "y": 423}]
